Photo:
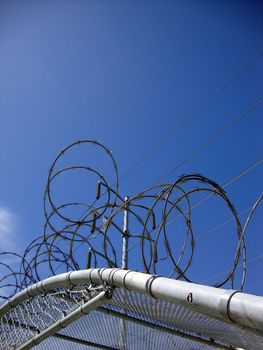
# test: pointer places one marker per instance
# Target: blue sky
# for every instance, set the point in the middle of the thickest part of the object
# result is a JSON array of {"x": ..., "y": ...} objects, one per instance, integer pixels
[{"x": 128, "y": 73}]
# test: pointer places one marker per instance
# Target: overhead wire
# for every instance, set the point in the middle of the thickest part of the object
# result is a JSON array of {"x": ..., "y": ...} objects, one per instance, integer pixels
[
  {"x": 45, "y": 249},
  {"x": 218, "y": 134},
  {"x": 249, "y": 261},
  {"x": 186, "y": 120},
  {"x": 233, "y": 179},
  {"x": 194, "y": 114},
  {"x": 230, "y": 181},
  {"x": 101, "y": 221}
]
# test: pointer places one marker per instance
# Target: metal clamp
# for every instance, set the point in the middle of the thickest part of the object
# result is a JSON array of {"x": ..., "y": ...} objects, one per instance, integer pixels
[
  {"x": 224, "y": 305},
  {"x": 148, "y": 285}
]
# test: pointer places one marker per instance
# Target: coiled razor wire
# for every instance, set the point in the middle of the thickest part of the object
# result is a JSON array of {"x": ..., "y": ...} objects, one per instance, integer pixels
[{"x": 98, "y": 230}]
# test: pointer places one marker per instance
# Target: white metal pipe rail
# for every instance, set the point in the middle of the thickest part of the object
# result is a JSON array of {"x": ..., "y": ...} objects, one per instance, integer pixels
[{"x": 243, "y": 310}]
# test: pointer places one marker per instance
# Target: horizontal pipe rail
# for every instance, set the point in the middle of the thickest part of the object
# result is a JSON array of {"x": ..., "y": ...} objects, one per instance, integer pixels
[{"x": 243, "y": 310}]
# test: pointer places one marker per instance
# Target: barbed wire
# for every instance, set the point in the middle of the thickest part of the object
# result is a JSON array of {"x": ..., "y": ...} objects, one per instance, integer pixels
[{"x": 99, "y": 230}]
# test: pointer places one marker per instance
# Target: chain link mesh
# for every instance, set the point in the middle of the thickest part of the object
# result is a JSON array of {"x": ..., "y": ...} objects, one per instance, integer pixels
[
  {"x": 102, "y": 327},
  {"x": 38, "y": 313}
]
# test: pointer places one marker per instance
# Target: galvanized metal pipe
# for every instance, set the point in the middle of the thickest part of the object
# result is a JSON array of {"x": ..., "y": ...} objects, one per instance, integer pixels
[
  {"x": 125, "y": 234},
  {"x": 124, "y": 265},
  {"x": 243, "y": 310}
]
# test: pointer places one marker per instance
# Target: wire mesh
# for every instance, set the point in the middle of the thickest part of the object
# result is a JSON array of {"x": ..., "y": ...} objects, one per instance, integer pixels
[
  {"x": 33, "y": 316},
  {"x": 102, "y": 327}
]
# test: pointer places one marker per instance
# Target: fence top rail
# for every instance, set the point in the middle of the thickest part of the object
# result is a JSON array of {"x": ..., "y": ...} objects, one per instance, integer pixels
[{"x": 232, "y": 306}]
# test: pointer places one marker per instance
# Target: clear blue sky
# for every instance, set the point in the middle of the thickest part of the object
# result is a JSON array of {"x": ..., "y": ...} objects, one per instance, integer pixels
[{"x": 127, "y": 73}]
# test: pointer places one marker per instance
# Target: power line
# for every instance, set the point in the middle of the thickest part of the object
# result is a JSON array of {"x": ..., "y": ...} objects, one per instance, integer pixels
[
  {"x": 244, "y": 171},
  {"x": 193, "y": 115},
  {"x": 233, "y": 179},
  {"x": 222, "y": 225},
  {"x": 184, "y": 122},
  {"x": 212, "y": 139},
  {"x": 255, "y": 258},
  {"x": 215, "y": 228}
]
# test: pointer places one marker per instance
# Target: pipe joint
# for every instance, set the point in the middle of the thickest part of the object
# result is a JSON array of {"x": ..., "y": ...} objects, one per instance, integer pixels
[
  {"x": 148, "y": 285},
  {"x": 224, "y": 305}
]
